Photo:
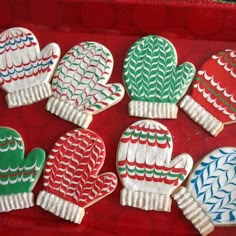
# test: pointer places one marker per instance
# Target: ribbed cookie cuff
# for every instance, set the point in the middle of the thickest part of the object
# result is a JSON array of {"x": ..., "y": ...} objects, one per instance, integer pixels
[
  {"x": 16, "y": 201},
  {"x": 153, "y": 110},
  {"x": 60, "y": 207},
  {"x": 68, "y": 112},
  {"x": 29, "y": 95},
  {"x": 145, "y": 200},
  {"x": 201, "y": 116},
  {"x": 193, "y": 211}
]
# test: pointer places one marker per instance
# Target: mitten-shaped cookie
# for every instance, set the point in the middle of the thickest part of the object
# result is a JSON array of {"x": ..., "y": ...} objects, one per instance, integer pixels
[
  {"x": 80, "y": 87},
  {"x": 212, "y": 101},
  {"x": 209, "y": 198},
  {"x": 18, "y": 175},
  {"x": 25, "y": 71},
  {"x": 71, "y": 180},
  {"x": 146, "y": 170},
  {"x": 153, "y": 80}
]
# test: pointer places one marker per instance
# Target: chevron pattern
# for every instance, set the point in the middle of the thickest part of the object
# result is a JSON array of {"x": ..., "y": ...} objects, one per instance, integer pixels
[
  {"x": 213, "y": 185},
  {"x": 81, "y": 78},
  {"x": 72, "y": 169},
  {"x": 151, "y": 73}
]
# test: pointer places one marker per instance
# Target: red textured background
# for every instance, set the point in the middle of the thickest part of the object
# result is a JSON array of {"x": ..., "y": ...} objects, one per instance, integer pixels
[{"x": 196, "y": 29}]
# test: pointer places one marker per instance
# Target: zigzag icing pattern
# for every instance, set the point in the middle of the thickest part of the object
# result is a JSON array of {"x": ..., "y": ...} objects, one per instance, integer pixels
[
  {"x": 150, "y": 71},
  {"x": 213, "y": 185},
  {"x": 72, "y": 168},
  {"x": 81, "y": 78}
]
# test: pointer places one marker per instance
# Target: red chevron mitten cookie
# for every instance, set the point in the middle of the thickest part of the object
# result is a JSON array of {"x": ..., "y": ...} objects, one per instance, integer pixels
[{"x": 71, "y": 180}]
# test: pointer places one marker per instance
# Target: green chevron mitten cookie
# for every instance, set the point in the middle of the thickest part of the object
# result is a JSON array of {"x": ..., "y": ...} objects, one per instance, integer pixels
[
  {"x": 153, "y": 80},
  {"x": 18, "y": 175}
]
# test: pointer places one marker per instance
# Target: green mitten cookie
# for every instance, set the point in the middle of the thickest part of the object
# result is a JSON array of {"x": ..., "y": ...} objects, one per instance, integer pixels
[
  {"x": 153, "y": 80},
  {"x": 18, "y": 175}
]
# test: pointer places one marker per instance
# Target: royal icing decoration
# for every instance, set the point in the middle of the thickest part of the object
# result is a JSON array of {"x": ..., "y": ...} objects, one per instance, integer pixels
[
  {"x": 210, "y": 196},
  {"x": 212, "y": 102},
  {"x": 153, "y": 80},
  {"x": 18, "y": 175},
  {"x": 71, "y": 180},
  {"x": 25, "y": 71},
  {"x": 146, "y": 170},
  {"x": 80, "y": 87}
]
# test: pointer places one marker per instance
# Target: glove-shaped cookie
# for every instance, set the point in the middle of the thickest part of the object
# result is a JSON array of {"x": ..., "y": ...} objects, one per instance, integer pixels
[
  {"x": 153, "y": 80},
  {"x": 209, "y": 198},
  {"x": 80, "y": 87},
  {"x": 18, "y": 175},
  {"x": 212, "y": 101},
  {"x": 146, "y": 170},
  {"x": 71, "y": 180},
  {"x": 25, "y": 71}
]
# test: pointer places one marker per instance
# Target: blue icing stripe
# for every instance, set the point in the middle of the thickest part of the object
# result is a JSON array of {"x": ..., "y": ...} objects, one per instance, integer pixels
[
  {"x": 15, "y": 71},
  {"x": 7, "y": 43}
]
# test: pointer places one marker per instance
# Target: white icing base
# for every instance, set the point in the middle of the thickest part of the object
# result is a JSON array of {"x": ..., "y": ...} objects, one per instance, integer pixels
[
  {"x": 60, "y": 207},
  {"x": 193, "y": 211},
  {"x": 201, "y": 116},
  {"x": 145, "y": 200},
  {"x": 153, "y": 110},
  {"x": 68, "y": 112},
  {"x": 28, "y": 95},
  {"x": 16, "y": 201}
]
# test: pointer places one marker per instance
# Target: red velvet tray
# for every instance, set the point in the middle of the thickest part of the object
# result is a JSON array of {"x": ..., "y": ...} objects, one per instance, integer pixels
[{"x": 68, "y": 22}]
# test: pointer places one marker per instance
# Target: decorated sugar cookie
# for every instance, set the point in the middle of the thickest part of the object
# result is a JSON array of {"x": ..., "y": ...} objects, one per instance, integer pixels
[
  {"x": 71, "y": 180},
  {"x": 80, "y": 87},
  {"x": 153, "y": 80},
  {"x": 209, "y": 198},
  {"x": 18, "y": 175},
  {"x": 146, "y": 170},
  {"x": 212, "y": 102},
  {"x": 25, "y": 71}
]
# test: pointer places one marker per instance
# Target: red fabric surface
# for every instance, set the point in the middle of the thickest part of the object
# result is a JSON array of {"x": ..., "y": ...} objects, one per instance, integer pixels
[
  {"x": 66, "y": 23},
  {"x": 196, "y": 19}
]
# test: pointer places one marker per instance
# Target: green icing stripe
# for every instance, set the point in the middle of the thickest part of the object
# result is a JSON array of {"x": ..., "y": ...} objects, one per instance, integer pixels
[
  {"x": 152, "y": 172},
  {"x": 209, "y": 89},
  {"x": 18, "y": 174},
  {"x": 147, "y": 135},
  {"x": 229, "y": 60}
]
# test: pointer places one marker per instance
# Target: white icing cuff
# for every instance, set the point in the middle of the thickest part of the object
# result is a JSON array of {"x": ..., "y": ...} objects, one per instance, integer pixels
[
  {"x": 16, "y": 201},
  {"x": 201, "y": 116},
  {"x": 193, "y": 211},
  {"x": 153, "y": 110},
  {"x": 68, "y": 112},
  {"x": 145, "y": 200},
  {"x": 60, "y": 207},
  {"x": 28, "y": 95}
]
